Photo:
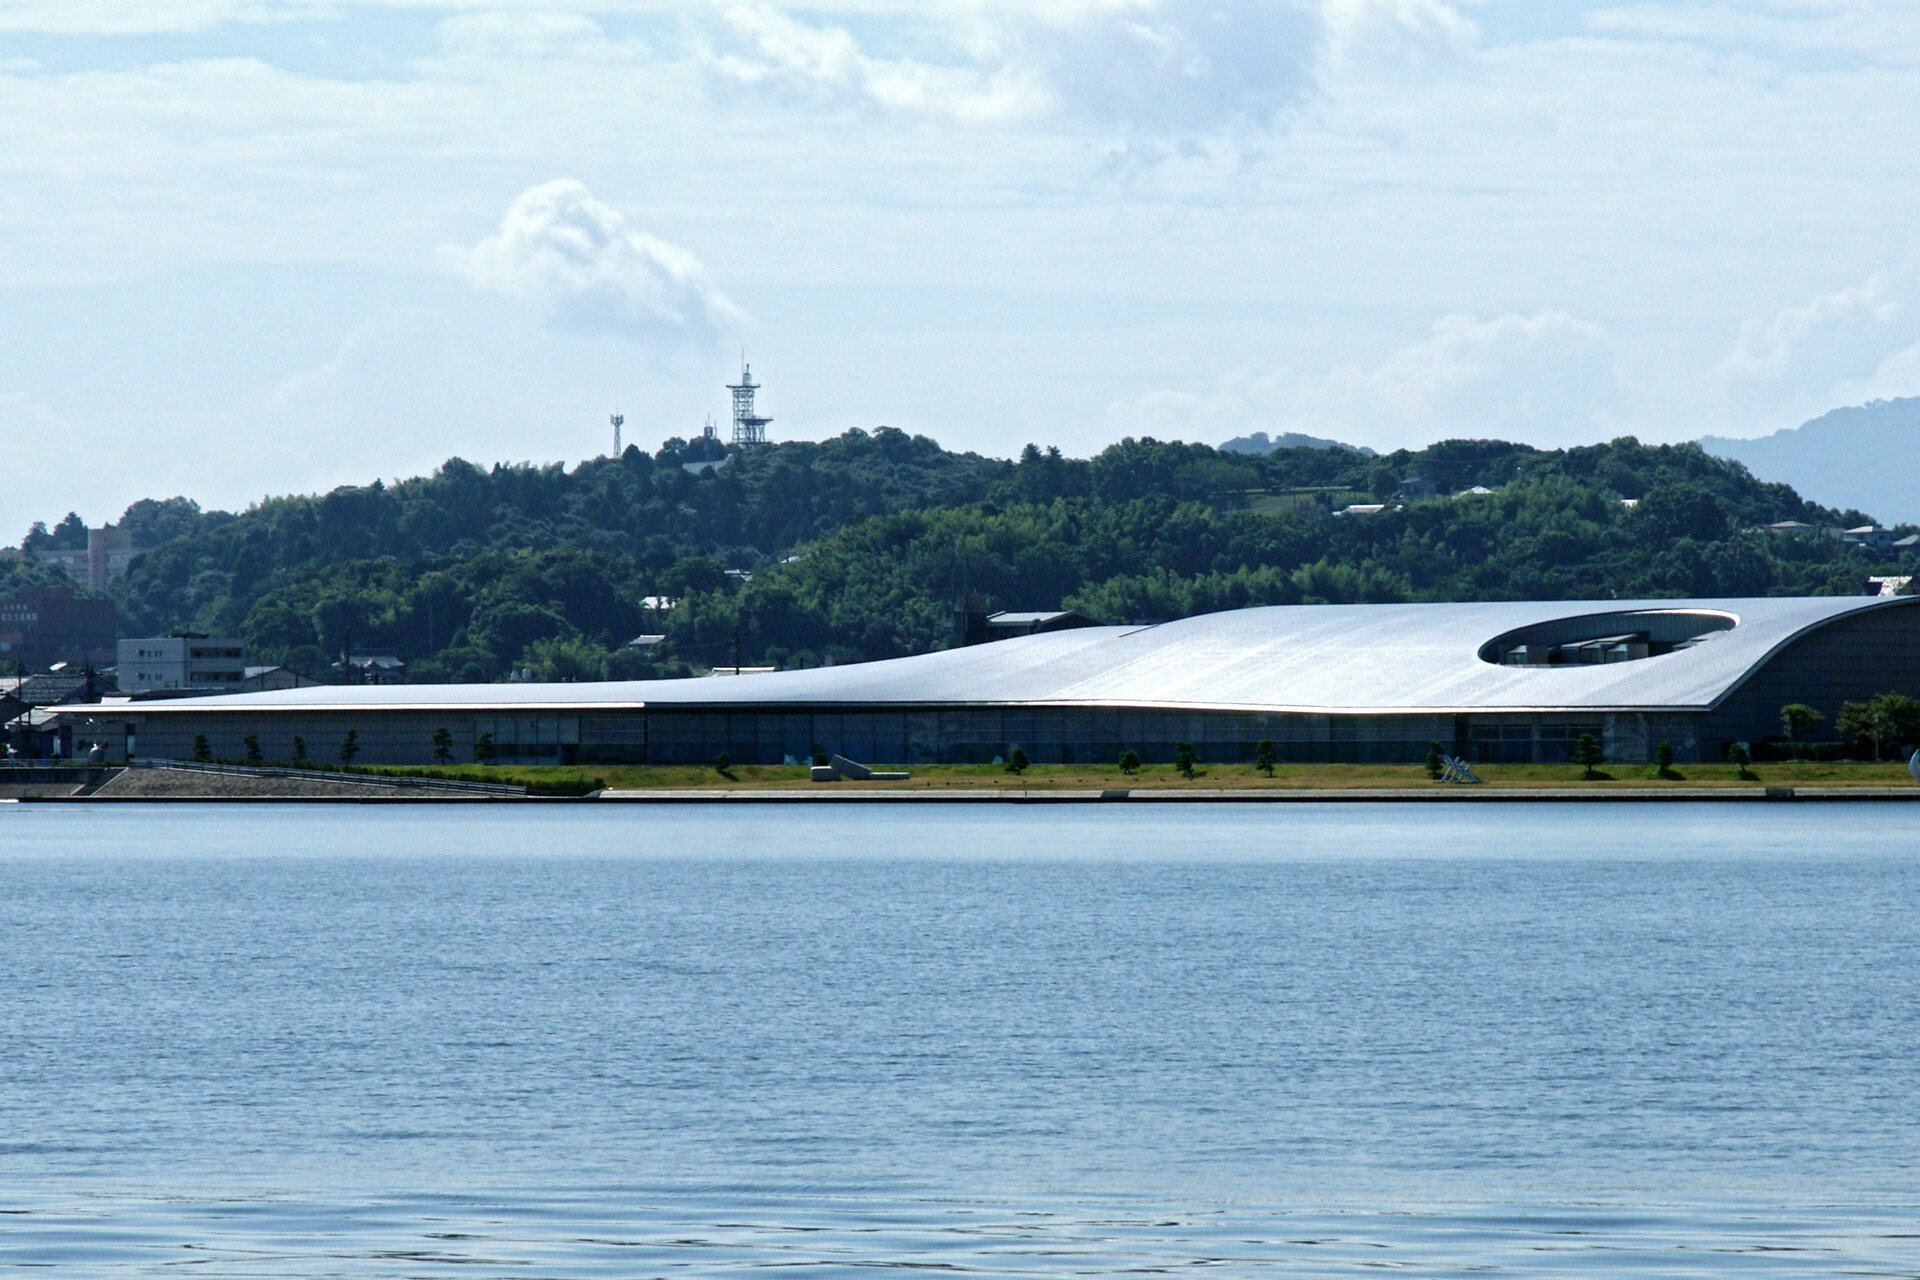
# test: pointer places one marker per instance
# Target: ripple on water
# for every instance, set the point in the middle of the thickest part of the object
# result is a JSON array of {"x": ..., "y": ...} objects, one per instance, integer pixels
[{"x": 632, "y": 1233}]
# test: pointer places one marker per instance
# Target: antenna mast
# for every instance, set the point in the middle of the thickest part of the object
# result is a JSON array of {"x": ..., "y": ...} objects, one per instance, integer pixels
[
  {"x": 749, "y": 428},
  {"x": 618, "y": 420}
]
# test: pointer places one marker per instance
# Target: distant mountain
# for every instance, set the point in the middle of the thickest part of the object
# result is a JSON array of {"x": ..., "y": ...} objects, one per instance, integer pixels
[
  {"x": 1259, "y": 443},
  {"x": 1866, "y": 457}
]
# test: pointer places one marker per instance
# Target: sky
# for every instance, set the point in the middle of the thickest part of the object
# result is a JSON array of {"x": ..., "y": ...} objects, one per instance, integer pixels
[{"x": 251, "y": 247}]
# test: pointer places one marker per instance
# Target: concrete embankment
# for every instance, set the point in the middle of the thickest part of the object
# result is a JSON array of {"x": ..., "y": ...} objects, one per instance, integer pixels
[
  {"x": 181, "y": 784},
  {"x": 1251, "y": 795}
]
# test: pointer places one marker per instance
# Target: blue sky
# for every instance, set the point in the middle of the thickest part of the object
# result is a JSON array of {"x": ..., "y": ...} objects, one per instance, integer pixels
[{"x": 256, "y": 246}]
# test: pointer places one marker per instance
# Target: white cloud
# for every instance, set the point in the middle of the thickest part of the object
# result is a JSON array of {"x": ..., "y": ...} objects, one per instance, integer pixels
[
  {"x": 1546, "y": 379},
  {"x": 120, "y": 17},
  {"x": 1170, "y": 66},
  {"x": 1155, "y": 66},
  {"x": 1775, "y": 349},
  {"x": 1895, "y": 376},
  {"x": 575, "y": 256},
  {"x": 825, "y": 65},
  {"x": 1394, "y": 35}
]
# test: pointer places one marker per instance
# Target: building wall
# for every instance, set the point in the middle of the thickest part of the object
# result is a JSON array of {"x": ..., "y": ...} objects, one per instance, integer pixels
[
  {"x": 206, "y": 664},
  {"x": 50, "y": 624},
  {"x": 1849, "y": 660},
  {"x": 900, "y": 736}
]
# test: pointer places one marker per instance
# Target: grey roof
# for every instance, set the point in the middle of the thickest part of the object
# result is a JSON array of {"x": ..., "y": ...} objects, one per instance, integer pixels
[{"x": 1312, "y": 658}]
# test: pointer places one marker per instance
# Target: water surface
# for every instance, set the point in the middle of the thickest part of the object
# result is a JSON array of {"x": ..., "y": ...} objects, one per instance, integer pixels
[{"x": 1301, "y": 1039}]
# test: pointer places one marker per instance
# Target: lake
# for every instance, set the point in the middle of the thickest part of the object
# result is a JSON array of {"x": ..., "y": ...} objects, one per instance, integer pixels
[{"x": 1662, "y": 1039}]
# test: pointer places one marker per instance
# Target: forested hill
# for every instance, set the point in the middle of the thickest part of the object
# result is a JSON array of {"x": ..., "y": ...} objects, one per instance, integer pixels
[{"x": 855, "y": 546}]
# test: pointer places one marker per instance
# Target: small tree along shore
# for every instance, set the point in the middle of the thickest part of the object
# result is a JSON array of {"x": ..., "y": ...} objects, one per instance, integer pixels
[{"x": 1587, "y": 753}]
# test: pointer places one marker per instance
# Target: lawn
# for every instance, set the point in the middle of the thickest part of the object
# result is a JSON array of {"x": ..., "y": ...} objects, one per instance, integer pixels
[{"x": 1063, "y": 777}]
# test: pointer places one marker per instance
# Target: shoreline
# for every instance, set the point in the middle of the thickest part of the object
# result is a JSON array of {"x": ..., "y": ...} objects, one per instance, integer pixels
[
  {"x": 1007, "y": 795},
  {"x": 963, "y": 785}
]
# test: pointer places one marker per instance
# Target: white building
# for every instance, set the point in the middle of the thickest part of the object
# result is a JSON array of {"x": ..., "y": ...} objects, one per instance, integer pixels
[{"x": 182, "y": 663}]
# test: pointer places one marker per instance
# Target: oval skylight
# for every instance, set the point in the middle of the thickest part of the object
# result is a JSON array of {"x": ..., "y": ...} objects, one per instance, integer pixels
[{"x": 1596, "y": 639}]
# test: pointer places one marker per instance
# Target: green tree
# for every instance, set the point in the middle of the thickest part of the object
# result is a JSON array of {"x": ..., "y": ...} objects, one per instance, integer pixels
[
  {"x": 1265, "y": 757},
  {"x": 1436, "y": 763},
  {"x": 1887, "y": 719},
  {"x": 1798, "y": 720},
  {"x": 1663, "y": 760},
  {"x": 1740, "y": 758},
  {"x": 349, "y": 746},
  {"x": 483, "y": 749},
  {"x": 299, "y": 749},
  {"x": 1587, "y": 754},
  {"x": 1129, "y": 761},
  {"x": 443, "y": 746},
  {"x": 1184, "y": 758},
  {"x": 252, "y": 743},
  {"x": 722, "y": 762},
  {"x": 1017, "y": 761},
  {"x": 202, "y": 749}
]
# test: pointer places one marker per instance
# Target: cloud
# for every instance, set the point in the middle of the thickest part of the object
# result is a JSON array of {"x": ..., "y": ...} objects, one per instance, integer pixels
[
  {"x": 117, "y": 17},
  {"x": 576, "y": 257},
  {"x": 1395, "y": 36},
  {"x": 1155, "y": 66},
  {"x": 1169, "y": 66},
  {"x": 1548, "y": 378},
  {"x": 766, "y": 48},
  {"x": 1770, "y": 349}
]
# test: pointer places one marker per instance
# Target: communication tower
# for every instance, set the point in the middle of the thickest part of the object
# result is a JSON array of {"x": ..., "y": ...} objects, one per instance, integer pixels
[
  {"x": 618, "y": 420},
  {"x": 749, "y": 428}
]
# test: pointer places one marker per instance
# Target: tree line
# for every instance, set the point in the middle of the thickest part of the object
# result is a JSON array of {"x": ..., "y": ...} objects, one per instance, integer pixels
[{"x": 800, "y": 553}]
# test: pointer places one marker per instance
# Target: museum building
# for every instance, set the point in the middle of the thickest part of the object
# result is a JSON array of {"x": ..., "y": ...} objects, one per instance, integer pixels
[{"x": 1491, "y": 682}]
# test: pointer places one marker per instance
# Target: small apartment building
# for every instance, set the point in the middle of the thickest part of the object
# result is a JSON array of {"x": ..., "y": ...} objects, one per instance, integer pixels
[{"x": 183, "y": 663}]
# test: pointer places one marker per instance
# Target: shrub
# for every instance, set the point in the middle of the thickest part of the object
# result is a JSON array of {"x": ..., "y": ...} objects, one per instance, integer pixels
[
  {"x": 202, "y": 749},
  {"x": 299, "y": 749},
  {"x": 1436, "y": 766},
  {"x": 1184, "y": 758},
  {"x": 1885, "y": 720},
  {"x": 1798, "y": 720},
  {"x": 565, "y": 786},
  {"x": 443, "y": 746},
  {"x": 1663, "y": 759},
  {"x": 1265, "y": 757},
  {"x": 483, "y": 750},
  {"x": 1587, "y": 753},
  {"x": 349, "y": 746},
  {"x": 1017, "y": 761},
  {"x": 1737, "y": 753},
  {"x": 1129, "y": 761},
  {"x": 252, "y": 743},
  {"x": 722, "y": 762}
]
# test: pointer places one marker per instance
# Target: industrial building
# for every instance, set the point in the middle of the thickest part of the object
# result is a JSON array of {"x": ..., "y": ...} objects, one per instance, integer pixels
[
  {"x": 45, "y": 625},
  {"x": 1502, "y": 682}
]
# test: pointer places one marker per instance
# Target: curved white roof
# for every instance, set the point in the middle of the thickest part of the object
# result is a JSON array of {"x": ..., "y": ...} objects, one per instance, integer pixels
[{"x": 1307, "y": 658}]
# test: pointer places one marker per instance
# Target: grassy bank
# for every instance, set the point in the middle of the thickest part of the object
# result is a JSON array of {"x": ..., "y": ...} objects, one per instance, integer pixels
[{"x": 1207, "y": 777}]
